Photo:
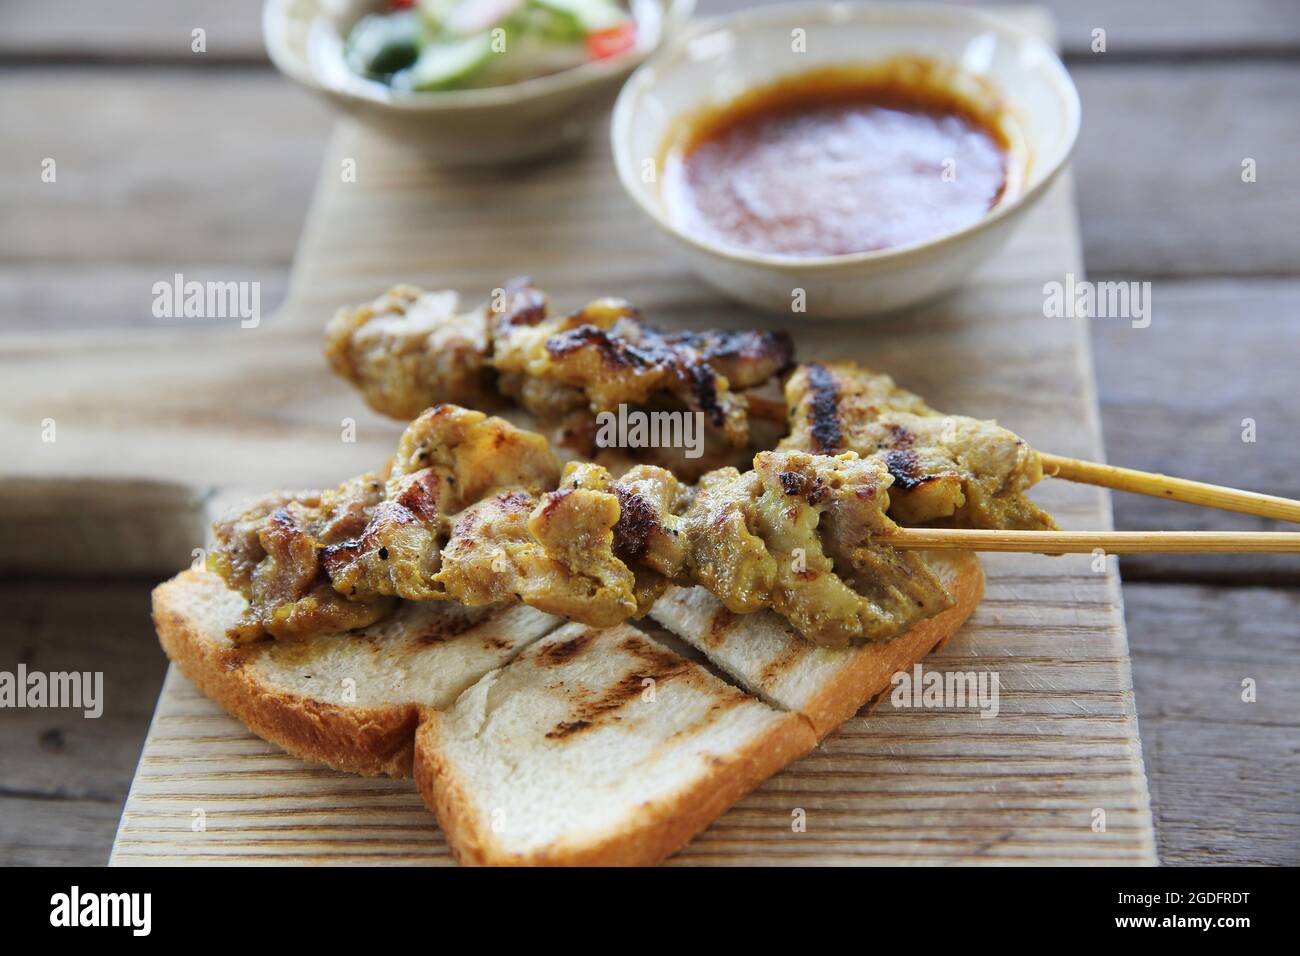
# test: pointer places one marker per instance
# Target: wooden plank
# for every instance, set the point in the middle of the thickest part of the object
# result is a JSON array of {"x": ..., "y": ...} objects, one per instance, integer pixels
[
  {"x": 897, "y": 787},
  {"x": 1174, "y": 399},
  {"x": 166, "y": 169},
  {"x": 253, "y": 408},
  {"x": 35, "y": 831},
  {"x": 131, "y": 29},
  {"x": 118, "y": 528},
  {"x": 1222, "y": 771},
  {"x": 65, "y": 776},
  {"x": 43, "y": 291},
  {"x": 137, "y": 28},
  {"x": 47, "y": 295},
  {"x": 1160, "y": 159}
]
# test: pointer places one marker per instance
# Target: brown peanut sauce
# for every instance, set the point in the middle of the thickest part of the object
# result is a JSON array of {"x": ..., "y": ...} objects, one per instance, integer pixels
[{"x": 840, "y": 160}]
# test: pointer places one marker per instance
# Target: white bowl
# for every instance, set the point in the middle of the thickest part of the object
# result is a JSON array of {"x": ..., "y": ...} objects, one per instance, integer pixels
[
  {"x": 518, "y": 121},
  {"x": 711, "y": 63}
]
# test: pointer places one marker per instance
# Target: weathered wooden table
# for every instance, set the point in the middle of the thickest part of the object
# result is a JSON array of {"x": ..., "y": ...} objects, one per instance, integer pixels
[{"x": 175, "y": 161}]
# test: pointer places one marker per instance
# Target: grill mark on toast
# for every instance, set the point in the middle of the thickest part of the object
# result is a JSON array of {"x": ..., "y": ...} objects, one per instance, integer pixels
[
  {"x": 656, "y": 657},
  {"x": 776, "y": 668},
  {"x": 561, "y": 652},
  {"x": 445, "y": 630},
  {"x": 655, "y": 664},
  {"x": 735, "y": 697},
  {"x": 716, "y": 633}
]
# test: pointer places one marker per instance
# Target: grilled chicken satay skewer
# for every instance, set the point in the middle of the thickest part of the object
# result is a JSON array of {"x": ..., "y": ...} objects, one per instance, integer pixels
[
  {"x": 838, "y": 405},
  {"x": 410, "y": 350},
  {"x": 476, "y": 511},
  {"x": 973, "y": 474}
]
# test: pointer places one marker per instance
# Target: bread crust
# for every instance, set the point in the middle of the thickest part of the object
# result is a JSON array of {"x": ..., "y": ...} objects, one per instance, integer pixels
[
  {"x": 657, "y": 830},
  {"x": 372, "y": 741}
]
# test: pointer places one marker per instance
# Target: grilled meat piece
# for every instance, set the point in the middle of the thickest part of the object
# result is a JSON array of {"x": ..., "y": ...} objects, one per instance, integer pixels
[
  {"x": 270, "y": 551},
  {"x": 802, "y": 534},
  {"x": 604, "y": 355},
  {"x": 948, "y": 470},
  {"x": 398, "y": 551},
  {"x": 554, "y": 553},
  {"x": 410, "y": 349},
  {"x": 474, "y": 454},
  {"x": 594, "y": 550},
  {"x": 448, "y": 459},
  {"x": 647, "y": 537},
  {"x": 333, "y": 560}
]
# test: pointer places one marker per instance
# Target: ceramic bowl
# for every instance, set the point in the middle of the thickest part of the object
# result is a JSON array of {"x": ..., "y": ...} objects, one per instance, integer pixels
[
  {"x": 519, "y": 121},
  {"x": 712, "y": 62}
]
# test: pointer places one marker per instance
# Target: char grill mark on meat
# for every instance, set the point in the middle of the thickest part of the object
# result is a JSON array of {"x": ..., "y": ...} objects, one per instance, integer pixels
[
  {"x": 792, "y": 482},
  {"x": 745, "y": 356},
  {"x": 905, "y": 468},
  {"x": 806, "y": 535},
  {"x": 618, "y": 353},
  {"x": 636, "y": 521},
  {"x": 704, "y": 388},
  {"x": 669, "y": 363},
  {"x": 824, "y": 411}
]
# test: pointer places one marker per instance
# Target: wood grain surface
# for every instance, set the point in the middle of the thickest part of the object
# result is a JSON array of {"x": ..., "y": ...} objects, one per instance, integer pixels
[
  {"x": 1215, "y": 74},
  {"x": 128, "y": 29}
]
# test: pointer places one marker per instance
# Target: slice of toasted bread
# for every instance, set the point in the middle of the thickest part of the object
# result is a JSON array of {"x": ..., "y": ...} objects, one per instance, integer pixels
[
  {"x": 595, "y": 747},
  {"x": 581, "y": 747},
  {"x": 350, "y": 701},
  {"x": 827, "y": 685}
]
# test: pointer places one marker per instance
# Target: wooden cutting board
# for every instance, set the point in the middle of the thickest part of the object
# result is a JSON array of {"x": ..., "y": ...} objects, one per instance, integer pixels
[{"x": 153, "y": 430}]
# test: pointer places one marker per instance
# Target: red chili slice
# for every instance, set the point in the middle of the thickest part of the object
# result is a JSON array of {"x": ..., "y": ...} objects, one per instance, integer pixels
[{"x": 602, "y": 44}]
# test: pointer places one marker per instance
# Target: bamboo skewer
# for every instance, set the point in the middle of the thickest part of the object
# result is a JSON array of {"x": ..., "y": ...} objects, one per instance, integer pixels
[
  {"x": 1086, "y": 542},
  {"x": 1175, "y": 489},
  {"x": 1122, "y": 479}
]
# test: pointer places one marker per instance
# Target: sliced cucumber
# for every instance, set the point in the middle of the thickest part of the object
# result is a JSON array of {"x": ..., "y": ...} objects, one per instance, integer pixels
[
  {"x": 381, "y": 44},
  {"x": 445, "y": 63},
  {"x": 474, "y": 16},
  {"x": 589, "y": 15},
  {"x": 437, "y": 10}
]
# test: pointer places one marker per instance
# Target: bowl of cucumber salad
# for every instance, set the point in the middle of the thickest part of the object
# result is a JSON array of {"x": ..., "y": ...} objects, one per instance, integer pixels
[{"x": 470, "y": 81}]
